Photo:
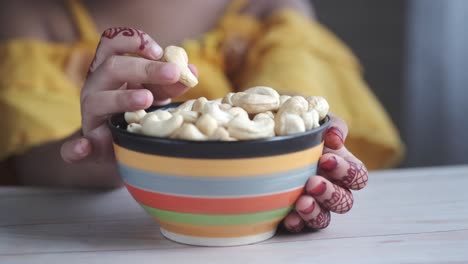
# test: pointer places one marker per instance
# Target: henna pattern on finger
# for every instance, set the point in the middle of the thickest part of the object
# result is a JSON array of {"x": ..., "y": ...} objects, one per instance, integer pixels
[
  {"x": 111, "y": 33},
  {"x": 321, "y": 221},
  {"x": 331, "y": 135},
  {"x": 341, "y": 200},
  {"x": 357, "y": 176}
]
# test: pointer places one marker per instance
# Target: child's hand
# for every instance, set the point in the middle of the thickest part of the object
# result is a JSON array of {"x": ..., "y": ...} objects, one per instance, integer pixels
[
  {"x": 120, "y": 83},
  {"x": 340, "y": 171}
]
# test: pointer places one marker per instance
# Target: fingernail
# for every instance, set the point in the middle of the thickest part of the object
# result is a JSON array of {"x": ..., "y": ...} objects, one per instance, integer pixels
[
  {"x": 296, "y": 226},
  {"x": 80, "y": 147},
  {"x": 140, "y": 98},
  {"x": 334, "y": 138},
  {"x": 330, "y": 164},
  {"x": 169, "y": 71},
  {"x": 309, "y": 209},
  {"x": 319, "y": 189},
  {"x": 156, "y": 51}
]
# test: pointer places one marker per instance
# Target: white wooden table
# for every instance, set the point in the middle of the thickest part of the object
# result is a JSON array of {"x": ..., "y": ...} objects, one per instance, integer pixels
[{"x": 403, "y": 216}]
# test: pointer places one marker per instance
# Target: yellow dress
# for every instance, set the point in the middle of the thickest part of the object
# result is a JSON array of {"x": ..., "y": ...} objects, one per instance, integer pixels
[{"x": 40, "y": 81}]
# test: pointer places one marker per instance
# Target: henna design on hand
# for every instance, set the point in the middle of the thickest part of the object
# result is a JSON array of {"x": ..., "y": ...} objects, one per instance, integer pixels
[
  {"x": 321, "y": 221},
  {"x": 341, "y": 200},
  {"x": 357, "y": 176},
  {"x": 111, "y": 33}
]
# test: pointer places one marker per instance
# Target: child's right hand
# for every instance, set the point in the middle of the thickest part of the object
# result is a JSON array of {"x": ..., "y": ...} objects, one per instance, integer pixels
[{"x": 120, "y": 83}]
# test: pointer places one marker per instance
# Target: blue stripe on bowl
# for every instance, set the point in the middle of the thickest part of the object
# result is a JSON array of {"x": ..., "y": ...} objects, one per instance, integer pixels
[{"x": 214, "y": 186}]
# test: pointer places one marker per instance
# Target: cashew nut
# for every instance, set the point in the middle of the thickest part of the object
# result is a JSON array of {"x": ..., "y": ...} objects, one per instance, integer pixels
[
  {"x": 189, "y": 132},
  {"x": 262, "y": 115},
  {"x": 158, "y": 114},
  {"x": 153, "y": 126},
  {"x": 189, "y": 116},
  {"x": 319, "y": 104},
  {"x": 134, "y": 128},
  {"x": 225, "y": 107},
  {"x": 219, "y": 115},
  {"x": 178, "y": 56},
  {"x": 288, "y": 119},
  {"x": 288, "y": 124},
  {"x": 134, "y": 117},
  {"x": 217, "y": 100},
  {"x": 220, "y": 133},
  {"x": 185, "y": 106},
  {"x": 199, "y": 104},
  {"x": 255, "y": 103},
  {"x": 235, "y": 111},
  {"x": 264, "y": 90},
  {"x": 207, "y": 124},
  {"x": 296, "y": 105},
  {"x": 244, "y": 128},
  {"x": 227, "y": 98},
  {"x": 283, "y": 99},
  {"x": 311, "y": 119}
]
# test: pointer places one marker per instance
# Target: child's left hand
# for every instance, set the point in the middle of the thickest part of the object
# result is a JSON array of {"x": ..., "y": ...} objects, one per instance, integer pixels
[{"x": 339, "y": 171}]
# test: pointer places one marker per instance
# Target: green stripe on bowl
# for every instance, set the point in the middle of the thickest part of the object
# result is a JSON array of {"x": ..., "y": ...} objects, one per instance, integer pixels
[{"x": 218, "y": 219}]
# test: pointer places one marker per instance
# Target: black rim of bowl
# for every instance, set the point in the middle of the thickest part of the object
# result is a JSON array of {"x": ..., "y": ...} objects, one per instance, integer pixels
[{"x": 212, "y": 149}]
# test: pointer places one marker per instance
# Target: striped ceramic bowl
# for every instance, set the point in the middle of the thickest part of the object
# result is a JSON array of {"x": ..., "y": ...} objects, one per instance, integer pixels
[{"x": 216, "y": 193}]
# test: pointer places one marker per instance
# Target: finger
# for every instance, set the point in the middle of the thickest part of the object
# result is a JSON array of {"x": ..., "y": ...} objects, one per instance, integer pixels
[
  {"x": 346, "y": 172},
  {"x": 75, "y": 150},
  {"x": 330, "y": 196},
  {"x": 97, "y": 107},
  {"x": 163, "y": 92},
  {"x": 293, "y": 222},
  {"x": 117, "y": 41},
  {"x": 309, "y": 210},
  {"x": 336, "y": 133},
  {"x": 117, "y": 70}
]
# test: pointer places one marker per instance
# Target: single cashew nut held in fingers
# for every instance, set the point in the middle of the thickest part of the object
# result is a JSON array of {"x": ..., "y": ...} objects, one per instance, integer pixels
[{"x": 178, "y": 56}]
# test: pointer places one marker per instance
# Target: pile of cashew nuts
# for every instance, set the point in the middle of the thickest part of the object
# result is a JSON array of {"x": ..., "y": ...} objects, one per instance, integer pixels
[{"x": 258, "y": 112}]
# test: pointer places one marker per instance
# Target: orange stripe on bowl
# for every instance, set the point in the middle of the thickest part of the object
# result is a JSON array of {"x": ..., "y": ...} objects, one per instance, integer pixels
[
  {"x": 218, "y": 167},
  {"x": 219, "y": 231},
  {"x": 198, "y": 205}
]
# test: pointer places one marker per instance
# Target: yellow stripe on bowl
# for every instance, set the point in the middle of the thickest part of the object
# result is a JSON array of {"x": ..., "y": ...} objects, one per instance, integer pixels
[{"x": 218, "y": 167}]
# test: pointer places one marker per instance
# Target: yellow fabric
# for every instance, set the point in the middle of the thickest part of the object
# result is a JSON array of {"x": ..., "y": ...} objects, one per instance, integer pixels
[{"x": 39, "y": 84}]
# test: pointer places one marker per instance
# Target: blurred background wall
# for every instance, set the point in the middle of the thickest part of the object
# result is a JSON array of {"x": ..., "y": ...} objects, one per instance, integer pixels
[{"x": 415, "y": 55}]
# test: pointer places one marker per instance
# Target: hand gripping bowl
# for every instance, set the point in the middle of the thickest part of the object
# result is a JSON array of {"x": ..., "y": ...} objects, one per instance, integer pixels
[{"x": 216, "y": 193}]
